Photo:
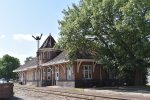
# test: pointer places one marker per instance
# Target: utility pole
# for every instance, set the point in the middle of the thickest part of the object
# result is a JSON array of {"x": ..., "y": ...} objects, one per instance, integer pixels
[{"x": 37, "y": 38}]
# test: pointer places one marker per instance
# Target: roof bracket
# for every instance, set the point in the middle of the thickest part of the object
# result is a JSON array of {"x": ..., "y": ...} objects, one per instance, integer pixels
[
  {"x": 78, "y": 66},
  {"x": 62, "y": 67},
  {"x": 94, "y": 64}
]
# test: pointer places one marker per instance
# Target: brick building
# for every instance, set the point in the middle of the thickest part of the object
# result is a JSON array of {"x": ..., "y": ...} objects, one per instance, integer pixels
[{"x": 55, "y": 69}]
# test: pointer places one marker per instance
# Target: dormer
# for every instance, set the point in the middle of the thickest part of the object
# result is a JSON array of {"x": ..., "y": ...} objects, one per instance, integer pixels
[
  {"x": 48, "y": 43},
  {"x": 46, "y": 51}
]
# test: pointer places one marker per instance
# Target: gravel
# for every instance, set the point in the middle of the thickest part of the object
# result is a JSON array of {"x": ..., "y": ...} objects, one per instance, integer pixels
[
  {"x": 31, "y": 95},
  {"x": 21, "y": 94}
]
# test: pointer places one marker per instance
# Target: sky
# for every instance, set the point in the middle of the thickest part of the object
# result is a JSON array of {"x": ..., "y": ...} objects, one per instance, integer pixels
[{"x": 20, "y": 19}]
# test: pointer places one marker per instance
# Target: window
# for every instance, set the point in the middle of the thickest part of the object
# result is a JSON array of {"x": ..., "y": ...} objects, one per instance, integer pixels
[
  {"x": 44, "y": 74},
  {"x": 57, "y": 73},
  {"x": 87, "y": 71},
  {"x": 48, "y": 70},
  {"x": 48, "y": 74},
  {"x": 34, "y": 75}
]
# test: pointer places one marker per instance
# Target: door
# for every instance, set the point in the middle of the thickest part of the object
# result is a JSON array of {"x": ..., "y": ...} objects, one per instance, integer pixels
[
  {"x": 57, "y": 73},
  {"x": 69, "y": 73}
]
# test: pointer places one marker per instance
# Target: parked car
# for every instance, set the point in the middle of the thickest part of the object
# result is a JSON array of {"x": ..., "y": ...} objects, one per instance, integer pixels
[
  {"x": 11, "y": 81},
  {"x": 3, "y": 80}
]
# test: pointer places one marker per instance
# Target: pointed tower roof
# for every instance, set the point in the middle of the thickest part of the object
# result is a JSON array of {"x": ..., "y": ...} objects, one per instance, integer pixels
[{"x": 49, "y": 42}]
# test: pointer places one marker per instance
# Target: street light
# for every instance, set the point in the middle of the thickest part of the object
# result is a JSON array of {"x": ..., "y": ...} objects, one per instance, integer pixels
[{"x": 37, "y": 38}]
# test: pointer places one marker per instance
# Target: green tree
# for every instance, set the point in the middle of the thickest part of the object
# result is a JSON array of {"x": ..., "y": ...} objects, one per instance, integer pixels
[
  {"x": 7, "y": 65},
  {"x": 1, "y": 67},
  {"x": 28, "y": 59},
  {"x": 120, "y": 35}
]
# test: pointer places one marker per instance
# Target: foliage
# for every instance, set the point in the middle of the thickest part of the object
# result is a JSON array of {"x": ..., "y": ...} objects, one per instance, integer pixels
[
  {"x": 7, "y": 65},
  {"x": 28, "y": 59},
  {"x": 116, "y": 32}
]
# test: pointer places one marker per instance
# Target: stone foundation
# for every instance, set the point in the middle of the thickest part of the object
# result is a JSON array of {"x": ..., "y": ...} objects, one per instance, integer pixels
[{"x": 65, "y": 83}]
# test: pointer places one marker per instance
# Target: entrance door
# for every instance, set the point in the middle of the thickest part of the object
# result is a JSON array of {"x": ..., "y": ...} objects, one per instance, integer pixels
[
  {"x": 57, "y": 73},
  {"x": 69, "y": 73},
  {"x": 22, "y": 77}
]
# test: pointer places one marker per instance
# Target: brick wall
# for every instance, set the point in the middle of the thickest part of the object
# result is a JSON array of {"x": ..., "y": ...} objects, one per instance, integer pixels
[
  {"x": 62, "y": 72},
  {"x": 95, "y": 73},
  {"x": 6, "y": 90}
]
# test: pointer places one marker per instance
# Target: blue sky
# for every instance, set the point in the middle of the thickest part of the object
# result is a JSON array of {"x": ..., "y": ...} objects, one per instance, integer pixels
[{"x": 20, "y": 19}]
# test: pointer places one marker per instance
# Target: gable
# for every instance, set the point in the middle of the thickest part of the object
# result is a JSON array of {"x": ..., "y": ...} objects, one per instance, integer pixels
[{"x": 49, "y": 42}]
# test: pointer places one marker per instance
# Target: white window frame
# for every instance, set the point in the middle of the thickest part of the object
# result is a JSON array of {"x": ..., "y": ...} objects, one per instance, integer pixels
[{"x": 87, "y": 69}]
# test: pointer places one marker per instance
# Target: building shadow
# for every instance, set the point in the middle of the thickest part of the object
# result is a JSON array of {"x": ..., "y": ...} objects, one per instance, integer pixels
[
  {"x": 132, "y": 89},
  {"x": 12, "y": 98}
]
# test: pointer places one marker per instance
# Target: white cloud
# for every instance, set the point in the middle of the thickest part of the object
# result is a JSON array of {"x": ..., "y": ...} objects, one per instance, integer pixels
[
  {"x": 26, "y": 37},
  {"x": 2, "y": 36},
  {"x": 23, "y": 37}
]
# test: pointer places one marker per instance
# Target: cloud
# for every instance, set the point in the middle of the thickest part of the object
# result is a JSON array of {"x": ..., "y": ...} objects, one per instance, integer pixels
[
  {"x": 26, "y": 37},
  {"x": 2, "y": 36},
  {"x": 23, "y": 37}
]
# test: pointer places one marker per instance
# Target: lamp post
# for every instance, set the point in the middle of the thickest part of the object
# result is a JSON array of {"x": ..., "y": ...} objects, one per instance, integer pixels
[{"x": 37, "y": 38}]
